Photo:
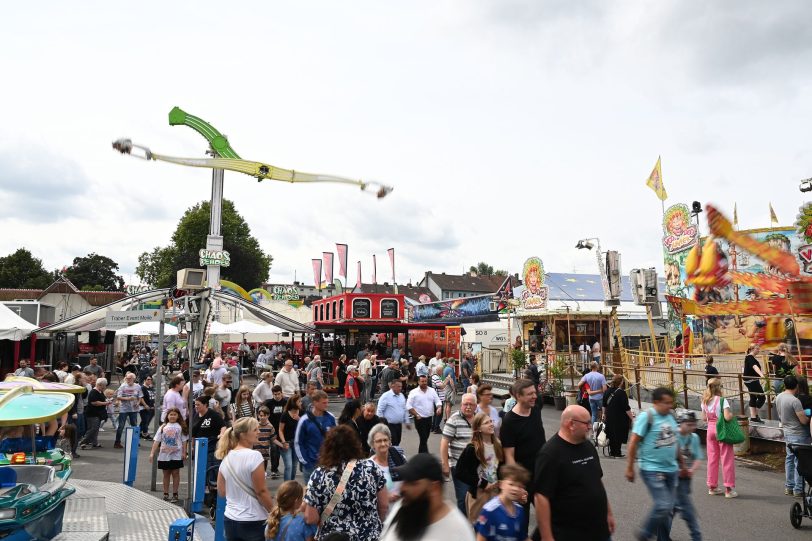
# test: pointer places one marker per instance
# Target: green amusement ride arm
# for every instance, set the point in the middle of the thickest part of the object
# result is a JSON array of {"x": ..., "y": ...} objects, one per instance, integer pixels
[{"x": 218, "y": 141}]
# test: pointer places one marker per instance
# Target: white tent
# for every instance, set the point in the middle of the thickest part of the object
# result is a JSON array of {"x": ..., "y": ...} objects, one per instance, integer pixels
[
  {"x": 249, "y": 327},
  {"x": 147, "y": 327},
  {"x": 12, "y": 326},
  {"x": 218, "y": 328}
]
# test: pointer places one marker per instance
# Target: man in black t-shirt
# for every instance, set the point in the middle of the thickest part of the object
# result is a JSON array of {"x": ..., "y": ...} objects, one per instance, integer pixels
[
  {"x": 209, "y": 423},
  {"x": 275, "y": 405},
  {"x": 95, "y": 412},
  {"x": 710, "y": 370},
  {"x": 570, "y": 499},
  {"x": 522, "y": 431}
]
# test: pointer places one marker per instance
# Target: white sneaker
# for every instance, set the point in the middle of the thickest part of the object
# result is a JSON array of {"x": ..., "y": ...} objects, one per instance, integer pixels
[
  {"x": 731, "y": 494},
  {"x": 714, "y": 492}
]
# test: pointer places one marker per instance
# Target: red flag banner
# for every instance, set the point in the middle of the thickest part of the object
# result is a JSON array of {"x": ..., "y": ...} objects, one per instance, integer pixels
[
  {"x": 358, "y": 282},
  {"x": 374, "y": 270},
  {"x": 391, "y": 252},
  {"x": 342, "y": 260},
  {"x": 328, "y": 267},
  {"x": 317, "y": 273}
]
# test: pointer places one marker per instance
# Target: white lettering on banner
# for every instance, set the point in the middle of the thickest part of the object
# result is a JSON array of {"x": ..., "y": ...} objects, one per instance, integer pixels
[
  {"x": 285, "y": 293},
  {"x": 214, "y": 257}
]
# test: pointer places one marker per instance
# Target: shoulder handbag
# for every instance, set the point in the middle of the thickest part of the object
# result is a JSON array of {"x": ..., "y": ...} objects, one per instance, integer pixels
[
  {"x": 339, "y": 493},
  {"x": 727, "y": 431}
]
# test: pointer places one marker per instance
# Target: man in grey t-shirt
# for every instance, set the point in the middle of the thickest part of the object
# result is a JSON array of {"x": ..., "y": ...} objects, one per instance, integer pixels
[{"x": 796, "y": 430}]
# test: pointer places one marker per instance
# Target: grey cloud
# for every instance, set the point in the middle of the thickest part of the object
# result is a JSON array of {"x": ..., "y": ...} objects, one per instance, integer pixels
[
  {"x": 38, "y": 184},
  {"x": 731, "y": 43}
]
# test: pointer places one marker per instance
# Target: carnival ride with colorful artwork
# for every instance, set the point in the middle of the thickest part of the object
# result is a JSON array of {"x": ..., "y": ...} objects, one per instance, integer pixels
[
  {"x": 33, "y": 471},
  {"x": 778, "y": 299}
]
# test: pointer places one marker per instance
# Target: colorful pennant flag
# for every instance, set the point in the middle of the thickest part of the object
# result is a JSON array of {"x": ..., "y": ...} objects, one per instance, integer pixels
[
  {"x": 342, "y": 260},
  {"x": 391, "y": 252},
  {"x": 735, "y": 217},
  {"x": 374, "y": 270},
  {"x": 317, "y": 273},
  {"x": 655, "y": 182},
  {"x": 358, "y": 282},
  {"x": 773, "y": 217},
  {"x": 328, "y": 267}
]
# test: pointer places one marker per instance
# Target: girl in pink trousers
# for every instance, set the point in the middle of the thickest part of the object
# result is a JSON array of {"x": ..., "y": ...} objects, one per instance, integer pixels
[{"x": 718, "y": 451}]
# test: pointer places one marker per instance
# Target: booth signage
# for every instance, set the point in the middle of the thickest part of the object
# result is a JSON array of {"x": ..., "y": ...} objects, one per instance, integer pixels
[
  {"x": 389, "y": 309},
  {"x": 214, "y": 257},
  {"x": 361, "y": 309},
  {"x": 134, "y": 290},
  {"x": 121, "y": 319},
  {"x": 285, "y": 293}
]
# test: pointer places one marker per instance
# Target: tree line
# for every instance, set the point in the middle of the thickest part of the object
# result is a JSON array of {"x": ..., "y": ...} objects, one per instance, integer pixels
[{"x": 157, "y": 267}]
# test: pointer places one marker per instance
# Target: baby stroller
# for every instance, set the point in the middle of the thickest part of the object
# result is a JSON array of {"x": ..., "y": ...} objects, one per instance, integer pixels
[
  {"x": 210, "y": 497},
  {"x": 803, "y": 509},
  {"x": 600, "y": 438}
]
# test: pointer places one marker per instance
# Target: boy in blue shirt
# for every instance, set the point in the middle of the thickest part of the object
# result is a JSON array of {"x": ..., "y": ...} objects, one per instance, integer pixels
[
  {"x": 501, "y": 518},
  {"x": 690, "y": 454},
  {"x": 654, "y": 438}
]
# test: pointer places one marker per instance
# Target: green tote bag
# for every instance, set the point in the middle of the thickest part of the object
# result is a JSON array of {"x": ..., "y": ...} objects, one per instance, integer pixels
[{"x": 727, "y": 431}]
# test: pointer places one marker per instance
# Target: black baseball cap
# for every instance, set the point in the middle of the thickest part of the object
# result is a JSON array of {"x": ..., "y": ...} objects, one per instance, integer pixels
[{"x": 421, "y": 466}]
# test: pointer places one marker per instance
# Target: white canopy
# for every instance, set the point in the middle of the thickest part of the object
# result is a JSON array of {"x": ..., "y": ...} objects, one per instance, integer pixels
[
  {"x": 12, "y": 326},
  {"x": 218, "y": 328},
  {"x": 250, "y": 327},
  {"x": 147, "y": 327}
]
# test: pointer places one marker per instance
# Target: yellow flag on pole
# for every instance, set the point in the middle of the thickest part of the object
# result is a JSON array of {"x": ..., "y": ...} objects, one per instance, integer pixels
[
  {"x": 773, "y": 217},
  {"x": 655, "y": 182},
  {"x": 735, "y": 217}
]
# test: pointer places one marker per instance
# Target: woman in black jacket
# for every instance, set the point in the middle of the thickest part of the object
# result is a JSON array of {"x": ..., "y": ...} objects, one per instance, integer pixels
[
  {"x": 617, "y": 415},
  {"x": 479, "y": 463}
]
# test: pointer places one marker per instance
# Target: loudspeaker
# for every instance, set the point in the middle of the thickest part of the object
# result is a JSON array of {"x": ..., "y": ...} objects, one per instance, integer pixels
[
  {"x": 94, "y": 337},
  {"x": 109, "y": 337}
]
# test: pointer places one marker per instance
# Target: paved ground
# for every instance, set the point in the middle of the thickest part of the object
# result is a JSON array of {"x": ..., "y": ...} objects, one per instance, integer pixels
[{"x": 760, "y": 512}]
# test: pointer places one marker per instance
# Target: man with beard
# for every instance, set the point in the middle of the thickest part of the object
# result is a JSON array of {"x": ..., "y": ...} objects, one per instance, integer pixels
[{"x": 421, "y": 512}]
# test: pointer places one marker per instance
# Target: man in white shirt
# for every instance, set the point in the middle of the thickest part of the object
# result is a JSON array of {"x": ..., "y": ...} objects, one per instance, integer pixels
[
  {"x": 420, "y": 369},
  {"x": 392, "y": 407},
  {"x": 421, "y": 513},
  {"x": 365, "y": 375},
  {"x": 422, "y": 403},
  {"x": 435, "y": 361},
  {"x": 585, "y": 351},
  {"x": 288, "y": 379}
]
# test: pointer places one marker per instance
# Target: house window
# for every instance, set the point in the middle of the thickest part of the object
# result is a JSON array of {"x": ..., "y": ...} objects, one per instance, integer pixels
[{"x": 341, "y": 309}]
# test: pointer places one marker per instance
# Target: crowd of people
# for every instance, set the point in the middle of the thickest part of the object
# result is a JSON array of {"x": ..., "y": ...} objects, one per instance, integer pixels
[{"x": 356, "y": 480}]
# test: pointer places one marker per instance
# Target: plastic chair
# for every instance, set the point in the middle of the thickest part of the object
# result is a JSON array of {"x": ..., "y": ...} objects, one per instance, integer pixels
[{"x": 8, "y": 477}]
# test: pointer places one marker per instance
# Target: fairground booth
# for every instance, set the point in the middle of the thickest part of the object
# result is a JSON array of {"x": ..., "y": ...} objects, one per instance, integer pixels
[{"x": 358, "y": 319}]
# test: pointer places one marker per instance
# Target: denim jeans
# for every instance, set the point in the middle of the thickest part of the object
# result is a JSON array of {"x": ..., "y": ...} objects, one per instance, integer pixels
[
  {"x": 146, "y": 417},
  {"x": 663, "y": 488},
  {"x": 289, "y": 462},
  {"x": 595, "y": 406},
  {"x": 132, "y": 416},
  {"x": 238, "y": 530},
  {"x": 81, "y": 425},
  {"x": 307, "y": 471},
  {"x": 460, "y": 490},
  {"x": 685, "y": 507},
  {"x": 794, "y": 481}
]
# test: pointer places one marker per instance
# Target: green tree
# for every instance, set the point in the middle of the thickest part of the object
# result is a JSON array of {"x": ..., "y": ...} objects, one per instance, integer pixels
[
  {"x": 249, "y": 264},
  {"x": 95, "y": 273},
  {"x": 21, "y": 270}
]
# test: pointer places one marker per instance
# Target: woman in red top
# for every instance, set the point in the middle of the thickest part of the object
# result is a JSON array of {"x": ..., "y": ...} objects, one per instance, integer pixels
[{"x": 351, "y": 386}]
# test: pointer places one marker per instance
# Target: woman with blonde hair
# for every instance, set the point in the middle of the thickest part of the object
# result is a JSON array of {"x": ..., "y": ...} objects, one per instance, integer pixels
[
  {"x": 479, "y": 463},
  {"x": 243, "y": 404},
  {"x": 241, "y": 480},
  {"x": 717, "y": 451}
]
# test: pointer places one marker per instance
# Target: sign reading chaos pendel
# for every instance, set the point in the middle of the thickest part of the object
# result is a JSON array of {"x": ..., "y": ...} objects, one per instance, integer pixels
[{"x": 214, "y": 257}]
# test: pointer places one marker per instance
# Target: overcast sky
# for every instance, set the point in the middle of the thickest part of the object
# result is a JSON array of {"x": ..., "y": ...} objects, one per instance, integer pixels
[{"x": 509, "y": 128}]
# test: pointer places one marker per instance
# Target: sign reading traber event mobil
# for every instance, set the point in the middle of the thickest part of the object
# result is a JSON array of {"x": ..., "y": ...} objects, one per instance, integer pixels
[
  {"x": 214, "y": 257},
  {"x": 534, "y": 295},
  {"x": 125, "y": 318},
  {"x": 679, "y": 233}
]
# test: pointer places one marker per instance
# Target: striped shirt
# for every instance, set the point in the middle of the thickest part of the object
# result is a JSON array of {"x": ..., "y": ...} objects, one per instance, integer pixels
[
  {"x": 437, "y": 383},
  {"x": 458, "y": 432},
  {"x": 266, "y": 435}
]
